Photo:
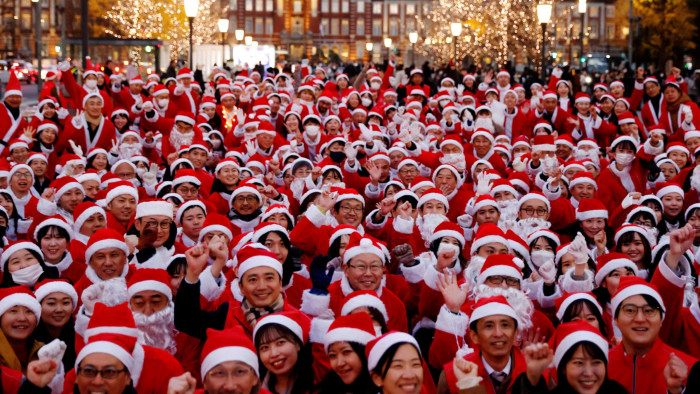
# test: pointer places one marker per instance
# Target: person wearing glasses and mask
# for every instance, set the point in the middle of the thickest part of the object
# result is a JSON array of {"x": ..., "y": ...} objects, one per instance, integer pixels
[{"x": 152, "y": 238}]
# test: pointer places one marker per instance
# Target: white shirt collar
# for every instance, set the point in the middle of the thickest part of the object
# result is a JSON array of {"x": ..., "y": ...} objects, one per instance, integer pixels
[{"x": 490, "y": 370}]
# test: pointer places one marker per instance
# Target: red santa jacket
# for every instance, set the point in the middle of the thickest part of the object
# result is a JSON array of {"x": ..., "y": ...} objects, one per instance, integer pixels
[
  {"x": 10, "y": 128},
  {"x": 518, "y": 366},
  {"x": 558, "y": 119},
  {"x": 77, "y": 93},
  {"x": 103, "y": 137},
  {"x": 187, "y": 101}
]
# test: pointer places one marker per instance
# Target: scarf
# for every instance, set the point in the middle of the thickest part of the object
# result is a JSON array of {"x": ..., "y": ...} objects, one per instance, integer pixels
[
  {"x": 13, "y": 111},
  {"x": 674, "y": 107},
  {"x": 624, "y": 176},
  {"x": 252, "y": 314}
]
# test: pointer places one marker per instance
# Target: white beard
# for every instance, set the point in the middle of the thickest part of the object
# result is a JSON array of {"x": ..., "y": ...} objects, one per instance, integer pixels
[
  {"x": 528, "y": 226},
  {"x": 508, "y": 209},
  {"x": 456, "y": 159},
  {"x": 549, "y": 164},
  {"x": 695, "y": 179},
  {"x": 427, "y": 225},
  {"x": 517, "y": 299},
  {"x": 591, "y": 154},
  {"x": 177, "y": 139},
  {"x": 127, "y": 151},
  {"x": 158, "y": 329},
  {"x": 484, "y": 123},
  {"x": 473, "y": 269}
]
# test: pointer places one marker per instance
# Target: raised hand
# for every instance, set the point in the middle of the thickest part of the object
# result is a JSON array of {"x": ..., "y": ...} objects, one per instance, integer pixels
[
  {"x": 374, "y": 172},
  {"x": 453, "y": 294},
  {"x": 404, "y": 255},
  {"x": 548, "y": 272},
  {"x": 538, "y": 358},
  {"x": 600, "y": 239},
  {"x": 147, "y": 107},
  {"x": 350, "y": 152},
  {"x": 483, "y": 185},
  {"x": 270, "y": 192},
  {"x": 250, "y": 148},
  {"x": 680, "y": 241},
  {"x": 365, "y": 133},
  {"x": 405, "y": 210},
  {"x": 28, "y": 133},
  {"x": 196, "y": 257},
  {"x": 675, "y": 373},
  {"x": 386, "y": 206},
  {"x": 41, "y": 372},
  {"x": 321, "y": 276},
  {"x": 49, "y": 194},
  {"x": 467, "y": 373},
  {"x": 76, "y": 148},
  {"x": 183, "y": 384},
  {"x": 326, "y": 200}
]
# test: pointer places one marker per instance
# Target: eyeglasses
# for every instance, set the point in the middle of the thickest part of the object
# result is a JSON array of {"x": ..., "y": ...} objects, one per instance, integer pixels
[
  {"x": 408, "y": 171},
  {"x": 631, "y": 310},
  {"x": 249, "y": 198},
  {"x": 497, "y": 280},
  {"x": 375, "y": 269},
  {"x": 21, "y": 175},
  {"x": 221, "y": 374},
  {"x": 531, "y": 211},
  {"x": 185, "y": 190},
  {"x": 164, "y": 225},
  {"x": 107, "y": 374},
  {"x": 643, "y": 223},
  {"x": 126, "y": 174},
  {"x": 347, "y": 208}
]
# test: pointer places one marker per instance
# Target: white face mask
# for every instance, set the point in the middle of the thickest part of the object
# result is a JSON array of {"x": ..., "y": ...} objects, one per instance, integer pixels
[
  {"x": 624, "y": 159},
  {"x": 312, "y": 130},
  {"x": 443, "y": 103},
  {"x": 456, "y": 159},
  {"x": 91, "y": 83},
  {"x": 28, "y": 275},
  {"x": 366, "y": 102},
  {"x": 540, "y": 257},
  {"x": 375, "y": 85},
  {"x": 215, "y": 144},
  {"x": 163, "y": 103},
  {"x": 140, "y": 171}
]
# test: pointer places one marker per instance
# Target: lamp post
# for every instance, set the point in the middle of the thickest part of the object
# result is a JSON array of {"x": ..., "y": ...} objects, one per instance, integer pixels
[
  {"x": 191, "y": 7},
  {"x": 582, "y": 11},
  {"x": 413, "y": 38},
  {"x": 387, "y": 44},
  {"x": 456, "y": 28},
  {"x": 248, "y": 40},
  {"x": 37, "y": 35},
  {"x": 369, "y": 46},
  {"x": 223, "y": 29},
  {"x": 544, "y": 13}
]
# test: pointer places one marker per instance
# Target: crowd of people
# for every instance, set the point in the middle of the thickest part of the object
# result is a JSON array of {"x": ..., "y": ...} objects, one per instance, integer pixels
[{"x": 302, "y": 230}]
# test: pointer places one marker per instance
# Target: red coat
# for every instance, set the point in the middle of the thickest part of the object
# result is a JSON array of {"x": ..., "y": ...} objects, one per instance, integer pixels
[
  {"x": 9, "y": 129},
  {"x": 613, "y": 193},
  {"x": 518, "y": 125},
  {"x": 187, "y": 101},
  {"x": 558, "y": 119},
  {"x": 518, "y": 366},
  {"x": 103, "y": 138},
  {"x": 77, "y": 93}
]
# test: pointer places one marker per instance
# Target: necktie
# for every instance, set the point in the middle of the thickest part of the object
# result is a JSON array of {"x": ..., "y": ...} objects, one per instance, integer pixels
[{"x": 497, "y": 378}]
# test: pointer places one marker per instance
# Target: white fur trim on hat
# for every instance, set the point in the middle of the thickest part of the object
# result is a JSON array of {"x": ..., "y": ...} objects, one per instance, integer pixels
[
  {"x": 533, "y": 196},
  {"x": 185, "y": 119},
  {"x": 215, "y": 227},
  {"x": 110, "y": 348},
  {"x": 670, "y": 189},
  {"x": 154, "y": 285},
  {"x": 259, "y": 261},
  {"x": 344, "y": 334},
  {"x": 245, "y": 189},
  {"x": 364, "y": 300},
  {"x": 491, "y": 309},
  {"x": 281, "y": 320},
  {"x": 580, "y": 336},
  {"x": 366, "y": 246},
  {"x": 573, "y": 298},
  {"x": 57, "y": 287},
  {"x": 154, "y": 208},
  {"x": 583, "y": 179},
  {"x": 592, "y": 214},
  {"x": 20, "y": 245},
  {"x": 179, "y": 180},
  {"x": 481, "y": 241},
  {"x": 611, "y": 266},
  {"x": 433, "y": 196},
  {"x": 384, "y": 343},
  {"x": 448, "y": 233},
  {"x": 106, "y": 243},
  {"x": 53, "y": 222},
  {"x": 21, "y": 299},
  {"x": 633, "y": 290},
  {"x": 187, "y": 205},
  {"x": 230, "y": 353},
  {"x": 350, "y": 196},
  {"x": 503, "y": 270}
]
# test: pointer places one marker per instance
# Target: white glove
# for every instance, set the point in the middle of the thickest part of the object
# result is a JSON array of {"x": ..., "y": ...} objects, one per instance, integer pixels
[
  {"x": 459, "y": 90},
  {"x": 629, "y": 201},
  {"x": 393, "y": 82},
  {"x": 404, "y": 135},
  {"x": 114, "y": 292},
  {"x": 547, "y": 271},
  {"x": 250, "y": 148},
  {"x": 64, "y": 66},
  {"x": 401, "y": 110},
  {"x": 91, "y": 296},
  {"x": 179, "y": 90},
  {"x": 149, "y": 177},
  {"x": 366, "y": 133},
  {"x": 240, "y": 115},
  {"x": 688, "y": 115},
  {"x": 468, "y": 116},
  {"x": 391, "y": 128},
  {"x": 115, "y": 148},
  {"x": 77, "y": 121},
  {"x": 534, "y": 101},
  {"x": 404, "y": 79},
  {"x": 62, "y": 113},
  {"x": 147, "y": 107},
  {"x": 53, "y": 350},
  {"x": 415, "y": 131},
  {"x": 455, "y": 118},
  {"x": 519, "y": 165},
  {"x": 465, "y": 221},
  {"x": 76, "y": 149},
  {"x": 350, "y": 152},
  {"x": 138, "y": 102},
  {"x": 579, "y": 249},
  {"x": 483, "y": 185}
]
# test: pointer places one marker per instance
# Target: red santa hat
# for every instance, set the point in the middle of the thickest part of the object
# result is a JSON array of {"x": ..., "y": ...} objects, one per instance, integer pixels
[
  {"x": 609, "y": 262},
  {"x": 64, "y": 184},
  {"x": 255, "y": 255},
  {"x": 275, "y": 209},
  {"x": 485, "y": 201},
  {"x": 16, "y": 246},
  {"x": 533, "y": 196},
  {"x": 453, "y": 170},
  {"x": 432, "y": 194},
  {"x": 105, "y": 238},
  {"x": 565, "y": 140},
  {"x": 631, "y": 286},
  {"x": 581, "y": 178},
  {"x": 45, "y": 125},
  {"x": 265, "y": 228},
  {"x": 11, "y": 297},
  {"x": 517, "y": 244},
  {"x": 339, "y": 231},
  {"x": 520, "y": 179},
  {"x": 122, "y": 347},
  {"x": 186, "y": 175},
  {"x": 491, "y": 306},
  {"x": 231, "y": 344},
  {"x": 17, "y": 143},
  {"x": 591, "y": 208},
  {"x": 154, "y": 207},
  {"x": 454, "y": 140},
  {"x": 621, "y": 139},
  {"x": 500, "y": 265},
  {"x": 420, "y": 182},
  {"x": 83, "y": 211},
  {"x": 13, "y": 87},
  {"x": 224, "y": 163},
  {"x": 357, "y": 327},
  {"x": 677, "y": 147},
  {"x": 582, "y": 98},
  {"x": 488, "y": 233},
  {"x": 626, "y": 118},
  {"x": 184, "y": 73},
  {"x": 563, "y": 303},
  {"x": 296, "y": 322},
  {"x": 118, "y": 188},
  {"x": 358, "y": 245},
  {"x": 48, "y": 286},
  {"x": 569, "y": 335},
  {"x": 363, "y": 298},
  {"x": 642, "y": 208},
  {"x": 551, "y": 235},
  {"x": 448, "y": 229},
  {"x": 632, "y": 228},
  {"x": 376, "y": 348},
  {"x": 186, "y": 117},
  {"x": 502, "y": 185},
  {"x": 55, "y": 220},
  {"x": 664, "y": 188},
  {"x": 688, "y": 134},
  {"x": 350, "y": 194},
  {"x": 216, "y": 222},
  {"x": 245, "y": 188},
  {"x": 187, "y": 205},
  {"x": 150, "y": 279},
  {"x": 543, "y": 142}
]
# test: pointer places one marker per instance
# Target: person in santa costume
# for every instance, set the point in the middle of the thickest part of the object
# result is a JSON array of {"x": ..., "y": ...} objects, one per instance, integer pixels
[
  {"x": 183, "y": 94},
  {"x": 120, "y": 203},
  {"x": 154, "y": 239},
  {"x": 54, "y": 236},
  {"x": 12, "y": 123},
  {"x": 58, "y": 301},
  {"x": 78, "y": 93},
  {"x": 89, "y": 129},
  {"x": 106, "y": 258},
  {"x": 176, "y": 132}
]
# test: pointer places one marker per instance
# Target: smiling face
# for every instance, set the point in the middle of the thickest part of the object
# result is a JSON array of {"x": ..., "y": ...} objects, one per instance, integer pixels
[
  {"x": 230, "y": 377},
  {"x": 53, "y": 245},
  {"x": 638, "y": 330},
  {"x": 278, "y": 353},
  {"x": 345, "y": 362},
  {"x": 122, "y": 207},
  {"x": 56, "y": 309},
  {"x": 108, "y": 263},
  {"x": 18, "y": 323},
  {"x": 673, "y": 204},
  {"x": 21, "y": 259},
  {"x": 495, "y": 336},
  {"x": 274, "y": 242},
  {"x": 21, "y": 181},
  {"x": 349, "y": 212},
  {"x": 364, "y": 272},
  {"x": 403, "y": 374},
  {"x": 634, "y": 248},
  {"x": 192, "y": 221},
  {"x": 245, "y": 203},
  {"x": 70, "y": 199},
  {"x": 584, "y": 373},
  {"x": 98, "y": 384},
  {"x": 261, "y": 286},
  {"x": 593, "y": 226}
]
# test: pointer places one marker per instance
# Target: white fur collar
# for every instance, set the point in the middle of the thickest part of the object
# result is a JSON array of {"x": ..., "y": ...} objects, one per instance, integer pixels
[
  {"x": 624, "y": 176},
  {"x": 236, "y": 290},
  {"x": 92, "y": 275},
  {"x": 65, "y": 262}
]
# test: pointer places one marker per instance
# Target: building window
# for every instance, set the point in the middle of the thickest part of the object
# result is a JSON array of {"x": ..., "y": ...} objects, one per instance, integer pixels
[
  {"x": 360, "y": 26},
  {"x": 269, "y": 26},
  {"x": 26, "y": 20},
  {"x": 594, "y": 30},
  {"x": 610, "y": 11},
  {"x": 577, "y": 29},
  {"x": 344, "y": 27},
  {"x": 610, "y": 31},
  {"x": 345, "y": 6},
  {"x": 232, "y": 23},
  {"x": 393, "y": 27},
  {"x": 410, "y": 24},
  {"x": 297, "y": 25},
  {"x": 410, "y": 9},
  {"x": 259, "y": 5},
  {"x": 259, "y": 25},
  {"x": 377, "y": 27},
  {"x": 248, "y": 25},
  {"x": 393, "y": 9},
  {"x": 297, "y": 6},
  {"x": 44, "y": 20},
  {"x": 233, "y": 5},
  {"x": 325, "y": 27},
  {"x": 335, "y": 6},
  {"x": 249, "y": 5},
  {"x": 426, "y": 9},
  {"x": 360, "y": 49},
  {"x": 324, "y": 5},
  {"x": 345, "y": 52},
  {"x": 324, "y": 50},
  {"x": 360, "y": 6},
  {"x": 593, "y": 11},
  {"x": 335, "y": 26},
  {"x": 377, "y": 8}
]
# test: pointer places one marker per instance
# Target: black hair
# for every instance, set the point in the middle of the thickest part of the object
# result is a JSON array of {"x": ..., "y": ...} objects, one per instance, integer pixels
[
  {"x": 45, "y": 230},
  {"x": 643, "y": 215},
  {"x": 575, "y": 309},
  {"x": 164, "y": 190},
  {"x": 14, "y": 216},
  {"x": 288, "y": 266},
  {"x": 192, "y": 207},
  {"x": 602, "y": 294},
  {"x": 363, "y": 384},
  {"x": 625, "y": 145},
  {"x": 589, "y": 349},
  {"x": 435, "y": 245},
  {"x": 650, "y": 300},
  {"x": 550, "y": 242},
  {"x": 89, "y": 164},
  {"x": 303, "y": 379},
  {"x": 472, "y": 324},
  {"x": 49, "y": 272},
  {"x": 409, "y": 198},
  {"x": 385, "y": 360},
  {"x": 177, "y": 266},
  {"x": 629, "y": 237}
]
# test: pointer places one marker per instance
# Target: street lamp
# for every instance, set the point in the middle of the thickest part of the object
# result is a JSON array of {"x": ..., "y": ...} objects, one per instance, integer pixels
[
  {"x": 240, "y": 34},
  {"x": 544, "y": 13},
  {"x": 456, "y": 28},
  {"x": 369, "y": 46},
  {"x": 191, "y": 7},
  {"x": 37, "y": 35},
  {"x": 582, "y": 11},
  {"x": 223, "y": 29},
  {"x": 413, "y": 38},
  {"x": 387, "y": 44},
  {"x": 248, "y": 40}
]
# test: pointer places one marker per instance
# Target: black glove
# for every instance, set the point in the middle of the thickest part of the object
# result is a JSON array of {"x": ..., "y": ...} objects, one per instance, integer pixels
[
  {"x": 404, "y": 255},
  {"x": 320, "y": 279}
]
